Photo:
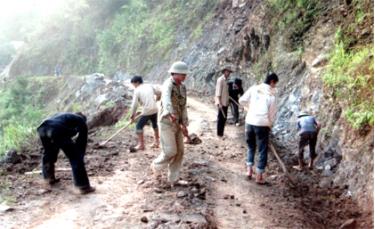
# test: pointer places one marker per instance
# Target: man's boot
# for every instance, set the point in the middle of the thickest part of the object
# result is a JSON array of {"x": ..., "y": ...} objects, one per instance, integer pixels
[{"x": 141, "y": 142}]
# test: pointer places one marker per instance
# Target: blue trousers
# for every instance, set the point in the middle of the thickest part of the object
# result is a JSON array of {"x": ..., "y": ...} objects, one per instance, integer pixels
[{"x": 257, "y": 135}]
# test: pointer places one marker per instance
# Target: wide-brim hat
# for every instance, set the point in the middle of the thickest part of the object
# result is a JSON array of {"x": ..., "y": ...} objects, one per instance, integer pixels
[
  {"x": 228, "y": 68},
  {"x": 302, "y": 113},
  {"x": 179, "y": 67}
]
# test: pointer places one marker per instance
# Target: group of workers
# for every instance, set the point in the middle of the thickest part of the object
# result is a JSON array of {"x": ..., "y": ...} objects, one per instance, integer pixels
[{"x": 68, "y": 131}]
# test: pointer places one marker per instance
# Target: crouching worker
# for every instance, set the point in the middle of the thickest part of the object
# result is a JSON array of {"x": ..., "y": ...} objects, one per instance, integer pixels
[
  {"x": 144, "y": 94},
  {"x": 57, "y": 133},
  {"x": 308, "y": 129},
  {"x": 173, "y": 121}
]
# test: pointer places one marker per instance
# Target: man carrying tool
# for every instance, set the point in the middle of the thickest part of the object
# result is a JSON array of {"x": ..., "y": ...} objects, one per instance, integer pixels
[
  {"x": 308, "y": 129},
  {"x": 144, "y": 94},
  {"x": 222, "y": 99},
  {"x": 261, "y": 103},
  {"x": 173, "y": 121},
  {"x": 57, "y": 133},
  {"x": 235, "y": 91}
]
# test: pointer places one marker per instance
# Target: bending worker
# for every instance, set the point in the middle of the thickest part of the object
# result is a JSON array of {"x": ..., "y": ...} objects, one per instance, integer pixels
[{"x": 56, "y": 133}]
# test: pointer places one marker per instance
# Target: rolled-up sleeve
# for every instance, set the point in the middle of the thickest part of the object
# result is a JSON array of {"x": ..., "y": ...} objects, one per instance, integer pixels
[
  {"x": 272, "y": 110},
  {"x": 245, "y": 98},
  {"x": 134, "y": 105}
]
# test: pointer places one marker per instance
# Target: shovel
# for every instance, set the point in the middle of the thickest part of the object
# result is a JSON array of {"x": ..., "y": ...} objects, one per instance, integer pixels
[{"x": 282, "y": 165}]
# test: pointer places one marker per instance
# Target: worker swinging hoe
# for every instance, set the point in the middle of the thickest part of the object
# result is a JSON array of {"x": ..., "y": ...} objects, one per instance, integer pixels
[{"x": 103, "y": 143}]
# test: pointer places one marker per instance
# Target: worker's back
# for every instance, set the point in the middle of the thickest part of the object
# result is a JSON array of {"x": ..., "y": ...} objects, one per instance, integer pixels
[
  {"x": 146, "y": 94},
  {"x": 307, "y": 124},
  {"x": 66, "y": 124}
]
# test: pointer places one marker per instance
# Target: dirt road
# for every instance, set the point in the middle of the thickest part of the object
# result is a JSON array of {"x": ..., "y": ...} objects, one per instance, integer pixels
[{"x": 213, "y": 191}]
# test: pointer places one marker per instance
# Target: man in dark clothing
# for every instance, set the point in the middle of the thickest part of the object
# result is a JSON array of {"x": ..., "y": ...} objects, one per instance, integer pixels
[
  {"x": 56, "y": 133},
  {"x": 235, "y": 91},
  {"x": 308, "y": 129}
]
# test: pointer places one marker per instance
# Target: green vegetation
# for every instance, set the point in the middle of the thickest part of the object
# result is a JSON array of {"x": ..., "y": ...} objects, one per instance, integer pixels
[
  {"x": 20, "y": 112},
  {"x": 297, "y": 16},
  {"x": 362, "y": 9},
  {"x": 88, "y": 35},
  {"x": 124, "y": 121},
  {"x": 143, "y": 32},
  {"x": 350, "y": 75}
]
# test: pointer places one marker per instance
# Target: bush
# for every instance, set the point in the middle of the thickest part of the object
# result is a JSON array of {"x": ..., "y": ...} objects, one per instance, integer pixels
[
  {"x": 350, "y": 76},
  {"x": 297, "y": 16},
  {"x": 19, "y": 115},
  {"x": 143, "y": 32}
]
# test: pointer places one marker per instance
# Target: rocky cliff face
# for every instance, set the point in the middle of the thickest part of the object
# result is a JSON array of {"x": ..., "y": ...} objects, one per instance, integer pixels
[{"x": 246, "y": 37}]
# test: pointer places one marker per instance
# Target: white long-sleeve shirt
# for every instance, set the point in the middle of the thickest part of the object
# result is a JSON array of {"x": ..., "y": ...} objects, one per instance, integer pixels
[
  {"x": 222, "y": 92},
  {"x": 144, "y": 95},
  {"x": 261, "y": 102}
]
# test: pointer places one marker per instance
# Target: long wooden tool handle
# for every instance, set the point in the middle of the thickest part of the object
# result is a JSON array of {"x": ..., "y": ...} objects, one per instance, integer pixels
[
  {"x": 117, "y": 132},
  {"x": 234, "y": 101},
  {"x": 222, "y": 112},
  {"x": 283, "y": 167},
  {"x": 40, "y": 171}
]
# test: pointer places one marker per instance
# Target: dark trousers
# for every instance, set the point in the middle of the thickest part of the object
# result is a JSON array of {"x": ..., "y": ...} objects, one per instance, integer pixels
[
  {"x": 221, "y": 120},
  {"x": 257, "y": 135},
  {"x": 143, "y": 121},
  {"x": 310, "y": 139},
  {"x": 51, "y": 146},
  {"x": 234, "y": 110}
]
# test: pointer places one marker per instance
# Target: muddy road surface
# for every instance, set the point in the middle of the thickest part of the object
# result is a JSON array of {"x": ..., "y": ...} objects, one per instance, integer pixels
[{"x": 213, "y": 191}]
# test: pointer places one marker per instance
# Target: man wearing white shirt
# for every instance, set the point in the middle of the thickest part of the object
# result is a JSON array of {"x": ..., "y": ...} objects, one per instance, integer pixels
[
  {"x": 222, "y": 99},
  {"x": 261, "y": 103},
  {"x": 144, "y": 94}
]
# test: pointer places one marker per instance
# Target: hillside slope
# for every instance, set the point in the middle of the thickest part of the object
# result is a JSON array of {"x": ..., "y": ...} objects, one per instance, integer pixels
[{"x": 321, "y": 50}]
